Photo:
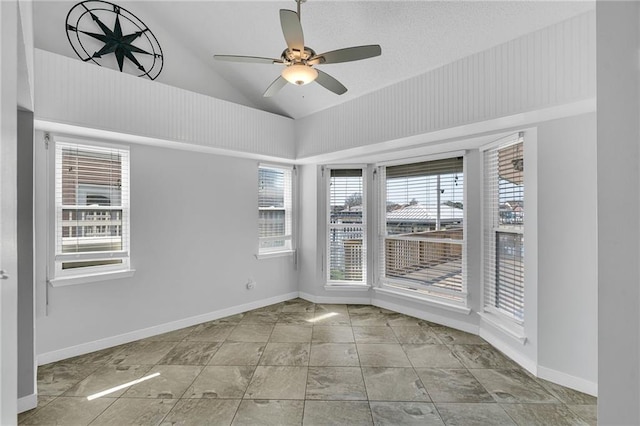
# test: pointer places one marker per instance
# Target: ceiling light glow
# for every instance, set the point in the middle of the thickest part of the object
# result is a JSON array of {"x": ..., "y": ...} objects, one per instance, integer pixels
[{"x": 299, "y": 74}]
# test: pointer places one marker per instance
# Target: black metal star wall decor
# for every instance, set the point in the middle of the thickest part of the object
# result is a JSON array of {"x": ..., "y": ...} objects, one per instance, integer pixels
[{"x": 111, "y": 36}]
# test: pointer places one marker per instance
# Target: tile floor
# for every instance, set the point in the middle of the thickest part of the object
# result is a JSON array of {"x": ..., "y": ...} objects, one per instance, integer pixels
[{"x": 302, "y": 363}]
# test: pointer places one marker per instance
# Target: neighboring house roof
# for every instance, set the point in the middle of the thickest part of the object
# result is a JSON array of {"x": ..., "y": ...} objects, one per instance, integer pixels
[{"x": 418, "y": 213}]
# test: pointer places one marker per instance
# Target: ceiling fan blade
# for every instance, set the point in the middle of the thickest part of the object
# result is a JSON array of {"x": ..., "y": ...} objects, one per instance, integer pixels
[
  {"x": 330, "y": 83},
  {"x": 292, "y": 30},
  {"x": 275, "y": 87},
  {"x": 347, "y": 55},
  {"x": 249, "y": 59}
]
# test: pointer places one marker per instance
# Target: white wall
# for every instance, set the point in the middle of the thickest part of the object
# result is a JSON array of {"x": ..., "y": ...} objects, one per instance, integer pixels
[
  {"x": 194, "y": 235},
  {"x": 568, "y": 250},
  {"x": 618, "y": 212}
]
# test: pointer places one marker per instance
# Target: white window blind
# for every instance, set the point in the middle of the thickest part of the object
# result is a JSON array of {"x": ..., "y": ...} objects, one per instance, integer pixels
[
  {"x": 346, "y": 246},
  {"x": 275, "y": 218},
  {"x": 92, "y": 208},
  {"x": 422, "y": 237},
  {"x": 504, "y": 230}
]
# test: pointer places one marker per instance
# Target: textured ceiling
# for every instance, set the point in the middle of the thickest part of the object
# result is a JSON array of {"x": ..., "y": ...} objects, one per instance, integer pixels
[{"x": 416, "y": 36}]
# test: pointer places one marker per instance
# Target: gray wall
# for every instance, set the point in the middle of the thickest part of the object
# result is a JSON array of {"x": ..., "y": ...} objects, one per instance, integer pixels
[
  {"x": 26, "y": 318},
  {"x": 617, "y": 25},
  {"x": 194, "y": 236}
]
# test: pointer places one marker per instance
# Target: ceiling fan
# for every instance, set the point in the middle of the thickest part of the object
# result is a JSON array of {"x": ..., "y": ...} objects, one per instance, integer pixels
[{"x": 299, "y": 60}]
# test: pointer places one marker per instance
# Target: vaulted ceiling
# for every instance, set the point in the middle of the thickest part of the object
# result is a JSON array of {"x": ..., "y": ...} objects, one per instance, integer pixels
[{"x": 416, "y": 36}]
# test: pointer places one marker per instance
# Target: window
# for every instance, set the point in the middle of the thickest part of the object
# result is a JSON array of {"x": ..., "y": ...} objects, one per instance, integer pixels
[
  {"x": 504, "y": 230},
  {"x": 92, "y": 209},
  {"x": 422, "y": 232},
  {"x": 346, "y": 238},
  {"x": 274, "y": 209}
]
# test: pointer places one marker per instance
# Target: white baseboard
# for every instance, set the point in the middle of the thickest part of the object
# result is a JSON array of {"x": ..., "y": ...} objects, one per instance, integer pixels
[
  {"x": 516, "y": 356},
  {"x": 27, "y": 403},
  {"x": 335, "y": 299},
  {"x": 568, "y": 380},
  {"x": 108, "y": 342},
  {"x": 427, "y": 316}
]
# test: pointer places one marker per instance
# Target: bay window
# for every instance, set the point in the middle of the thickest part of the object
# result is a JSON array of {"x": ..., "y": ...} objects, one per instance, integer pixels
[
  {"x": 504, "y": 230},
  {"x": 421, "y": 247}
]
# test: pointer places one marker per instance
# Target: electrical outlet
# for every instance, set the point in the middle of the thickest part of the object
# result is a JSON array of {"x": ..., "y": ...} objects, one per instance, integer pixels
[{"x": 251, "y": 284}]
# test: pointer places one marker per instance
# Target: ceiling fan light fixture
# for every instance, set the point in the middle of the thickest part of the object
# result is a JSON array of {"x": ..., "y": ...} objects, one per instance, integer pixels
[{"x": 299, "y": 74}]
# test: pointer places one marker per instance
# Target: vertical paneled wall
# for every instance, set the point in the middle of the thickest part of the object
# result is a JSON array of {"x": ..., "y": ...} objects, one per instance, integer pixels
[
  {"x": 550, "y": 67},
  {"x": 73, "y": 92}
]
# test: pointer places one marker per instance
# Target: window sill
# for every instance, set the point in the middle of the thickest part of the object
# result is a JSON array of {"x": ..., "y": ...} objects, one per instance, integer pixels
[
  {"x": 424, "y": 300},
  {"x": 347, "y": 287},
  {"x": 91, "y": 278},
  {"x": 511, "y": 330},
  {"x": 283, "y": 253}
]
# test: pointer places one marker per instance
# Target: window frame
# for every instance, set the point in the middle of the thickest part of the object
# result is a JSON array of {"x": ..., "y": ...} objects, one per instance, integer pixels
[
  {"x": 500, "y": 317},
  {"x": 57, "y": 276},
  {"x": 436, "y": 296},
  {"x": 289, "y": 212},
  {"x": 326, "y": 173}
]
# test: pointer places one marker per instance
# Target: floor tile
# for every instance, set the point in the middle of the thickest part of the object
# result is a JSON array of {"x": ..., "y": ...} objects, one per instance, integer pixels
[
  {"x": 251, "y": 333},
  {"x": 353, "y": 413},
  {"x": 567, "y": 395},
  {"x": 54, "y": 379},
  {"x": 335, "y": 383},
  {"x": 260, "y": 318},
  {"x": 108, "y": 377},
  {"x": 331, "y": 308},
  {"x": 362, "y": 309},
  {"x": 542, "y": 414},
  {"x": 331, "y": 318},
  {"x": 269, "y": 412},
  {"x": 400, "y": 320},
  {"x": 362, "y": 319},
  {"x": 287, "y": 333},
  {"x": 197, "y": 412},
  {"x": 415, "y": 335},
  {"x": 296, "y": 318},
  {"x": 450, "y": 385},
  {"x": 427, "y": 355},
  {"x": 332, "y": 334},
  {"x": 374, "y": 334},
  {"x": 221, "y": 382},
  {"x": 68, "y": 411},
  {"x": 451, "y": 336},
  {"x": 134, "y": 411},
  {"x": 191, "y": 353},
  {"x": 143, "y": 352},
  {"x": 588, "y": 413},
  {"x": 334, "y": 354},
  {"x": 298, "y": 305},
  {"x": 286, "y": 354},
  {"x": 382, "y": 355},
  {"x": 512, "y": 386},
  {"x": 481, "y": 356},
  {"x": 405, "y": 413},
  {"x": 277, "y": 382},
  {"x": 474, "y": 414},
  {"x": 238, "y": 354},
  {"x": 211, "y": 333},
  {"x": 393, "y": 384},
  {"x": 98, "y": 357},
  {"x": 172, "y": 382}
]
